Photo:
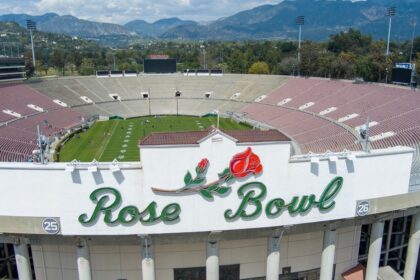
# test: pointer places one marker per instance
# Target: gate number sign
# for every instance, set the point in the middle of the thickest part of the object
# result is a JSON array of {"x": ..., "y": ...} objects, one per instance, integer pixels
[
  {"x": 51, "y": 226},
  {"x": 362, "y": 208}
]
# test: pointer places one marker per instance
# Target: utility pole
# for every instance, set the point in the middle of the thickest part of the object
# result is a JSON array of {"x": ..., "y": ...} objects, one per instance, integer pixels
[
  {"x": 300, "y": 20},
  {"x": 390, "y": 13},
  {"x": 31, "y": 26},
  {"x": 203, "y": 49},
  {"x": 113, "y": 58},
  {"x": 413, "y": 23}
]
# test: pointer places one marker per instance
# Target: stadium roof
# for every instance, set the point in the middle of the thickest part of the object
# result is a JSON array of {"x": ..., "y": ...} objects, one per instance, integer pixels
[{"x": 195, "y": 137}]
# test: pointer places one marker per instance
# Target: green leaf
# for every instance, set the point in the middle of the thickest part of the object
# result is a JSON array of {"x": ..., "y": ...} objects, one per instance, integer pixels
[
  {"x": 222, "y": 190},
  {"x": 224, "y": 173},
  {"x": 198, "y": 181},
  {"x": 213, "y": 187},
  {"x": 230, "y": 178},
  {"x": 205, "y": 193},
  {"x": 187, "y": 178}
]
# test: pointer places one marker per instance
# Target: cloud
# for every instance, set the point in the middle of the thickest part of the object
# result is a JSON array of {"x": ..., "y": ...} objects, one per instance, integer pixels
[{"x": 117, "y": 11}]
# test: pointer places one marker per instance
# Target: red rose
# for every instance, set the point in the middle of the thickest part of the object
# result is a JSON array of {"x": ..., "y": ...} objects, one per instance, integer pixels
[
  {"x": 245, "y": 163},
  {"x": 202, "y": 165}
]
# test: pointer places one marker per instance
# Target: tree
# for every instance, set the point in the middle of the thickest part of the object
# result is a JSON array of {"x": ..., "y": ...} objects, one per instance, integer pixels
[
  {"x": 77, "y": 59},
  {"x": 57, "y": 59},
  {"x": 236, "y": 62},
  {"x": 343, "y": 66},
  {"x": 29, "y": 69},
  {"x": 310, "y": 53},
  {"x": 288, "y": 66},
  {"x": 349, "y": 41},
  {"x": 259, "y": 67},
  {"x": 87, "y": 67}
]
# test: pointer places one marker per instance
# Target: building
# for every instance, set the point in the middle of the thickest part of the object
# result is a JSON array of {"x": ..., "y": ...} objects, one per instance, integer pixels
[
  {"x": 12, "y": 69},
  {"x": 209, "y": 205}
]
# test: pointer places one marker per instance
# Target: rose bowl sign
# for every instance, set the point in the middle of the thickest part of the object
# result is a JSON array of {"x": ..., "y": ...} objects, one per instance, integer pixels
[{"x": 109, "y": 204}]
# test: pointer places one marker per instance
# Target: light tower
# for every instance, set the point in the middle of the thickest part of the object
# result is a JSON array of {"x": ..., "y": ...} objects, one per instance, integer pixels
[
  {"x": 203, "y": 49},
  {"x": 390, "y": 13},
  {"x": 300, "y": 20},
  {"x": 31, "y": 26},
  {"x": 413, "y": 23}
]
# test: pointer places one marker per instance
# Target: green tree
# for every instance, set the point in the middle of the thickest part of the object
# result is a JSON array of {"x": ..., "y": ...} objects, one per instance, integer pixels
[
  {"x": 57, "y": 59},
  {"x": 310, "y": 53},
  {"x": 87, "y": 67},
  {"x": 259, "y": 67},
  {"x": 343, "y": 67},
  {"x": 288, "y": 66},
  {"x": 349, "y": 41}
]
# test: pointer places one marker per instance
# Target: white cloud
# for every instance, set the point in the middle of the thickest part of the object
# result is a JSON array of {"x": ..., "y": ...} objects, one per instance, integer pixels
[{"x": 122, "y": 11}]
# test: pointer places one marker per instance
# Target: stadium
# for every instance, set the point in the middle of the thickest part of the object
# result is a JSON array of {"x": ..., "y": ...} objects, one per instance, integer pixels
[{"x": 214, "y": 176}]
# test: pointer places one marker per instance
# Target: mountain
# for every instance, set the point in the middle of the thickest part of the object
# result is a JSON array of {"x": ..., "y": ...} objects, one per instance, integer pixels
[
  {"x": 156, "y": 28},
  {"x": 69, "y": 25},
  {"x": 322, "y": 18},
  {"x": 21, "y": 18}
]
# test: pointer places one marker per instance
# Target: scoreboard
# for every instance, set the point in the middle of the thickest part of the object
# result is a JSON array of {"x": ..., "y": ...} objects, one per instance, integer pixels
[{"x": 159, "y": 65}]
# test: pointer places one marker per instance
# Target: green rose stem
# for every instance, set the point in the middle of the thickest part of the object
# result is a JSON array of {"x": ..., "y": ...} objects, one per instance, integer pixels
[{"x": 194, "y": 189}]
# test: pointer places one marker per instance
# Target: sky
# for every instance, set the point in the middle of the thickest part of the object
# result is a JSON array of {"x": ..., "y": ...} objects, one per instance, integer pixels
[{"x": 123, "y": 11}]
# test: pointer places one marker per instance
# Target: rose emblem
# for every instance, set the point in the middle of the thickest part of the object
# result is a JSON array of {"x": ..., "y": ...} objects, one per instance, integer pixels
[
  {"x": 241, "y": 165},
  {"x": 202, "y": 165},
  {"x": 245, "y": 163}
]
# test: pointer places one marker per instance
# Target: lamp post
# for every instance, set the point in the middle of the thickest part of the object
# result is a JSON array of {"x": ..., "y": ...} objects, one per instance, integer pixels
[
  {"x": 390, "y": 13},
  {"x": 413, "y": 23},
  {"x": 177, "y": 96},
  {"x": 203, "y": 49},
  {"x": 300, "y": 20},
  {"x": 31, "y": 26}
]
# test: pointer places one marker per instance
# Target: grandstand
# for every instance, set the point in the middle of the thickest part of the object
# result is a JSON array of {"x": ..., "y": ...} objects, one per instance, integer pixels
[
  {"x": 12, "y": 69},
  {"x": 319, "y": 120},
  {"x": 320, "y": 115}
]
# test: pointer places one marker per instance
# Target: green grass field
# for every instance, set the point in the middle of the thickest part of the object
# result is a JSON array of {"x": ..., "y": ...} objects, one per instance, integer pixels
[{"x": 118, "y": 139}]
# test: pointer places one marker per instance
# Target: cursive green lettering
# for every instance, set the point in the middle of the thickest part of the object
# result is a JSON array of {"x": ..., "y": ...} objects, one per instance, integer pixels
[
  {"x": 249, "y": 198},
  {"x": 277, "y": 205},
  {"x": 326, "y": 200},
  {"x": 104, "y": 195}
]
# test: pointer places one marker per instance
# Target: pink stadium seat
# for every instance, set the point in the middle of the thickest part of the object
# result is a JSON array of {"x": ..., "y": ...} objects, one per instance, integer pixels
[
  {"x": 18, "y": 137},
  {"x": 395, "y": 109}
]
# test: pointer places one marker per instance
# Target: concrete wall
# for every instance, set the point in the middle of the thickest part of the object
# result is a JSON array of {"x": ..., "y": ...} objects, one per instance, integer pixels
[{"x": 109, "y": 262}]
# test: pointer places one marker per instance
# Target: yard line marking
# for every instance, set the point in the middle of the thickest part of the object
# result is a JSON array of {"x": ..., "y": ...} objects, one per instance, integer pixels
[{"x": 107, "y": 142}]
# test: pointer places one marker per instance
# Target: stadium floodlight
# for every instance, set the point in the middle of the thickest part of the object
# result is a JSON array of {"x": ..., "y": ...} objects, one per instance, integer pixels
[
  {"x": 315, "y": 160},
  {"x": 390, "y": 13},
  {"x": 70, "y": 168},
  {"x": 31, "y": 26},
  {"x": 114, "y": 167},
  {"x": 413, "y": 23},
  {"x": 300, "y": 20},
  {"x": 93, "y": 166},
  {"x": 351, "y": 157},
  {"x": 203, "y": 49},
  {"x": 333, "y": 158}
]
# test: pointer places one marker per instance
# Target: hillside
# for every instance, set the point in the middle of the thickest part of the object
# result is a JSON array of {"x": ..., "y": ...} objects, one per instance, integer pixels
[{"x": 322, "y": 18}]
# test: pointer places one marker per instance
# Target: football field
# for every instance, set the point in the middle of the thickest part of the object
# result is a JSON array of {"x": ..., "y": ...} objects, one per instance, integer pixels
[{"x": 118, "y": 139}]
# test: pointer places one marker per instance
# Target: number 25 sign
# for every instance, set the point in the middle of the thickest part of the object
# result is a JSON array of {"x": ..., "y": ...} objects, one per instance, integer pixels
[{"x": 51, "y": 226}]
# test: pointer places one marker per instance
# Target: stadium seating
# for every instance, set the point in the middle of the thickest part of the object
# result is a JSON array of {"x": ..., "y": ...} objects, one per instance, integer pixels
[
  {"x": 393, "y": 109},
  {"x": 319, "y": 114},
  {"x": 18, "y": 133},
  {"x": 16, "y": 98}
]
